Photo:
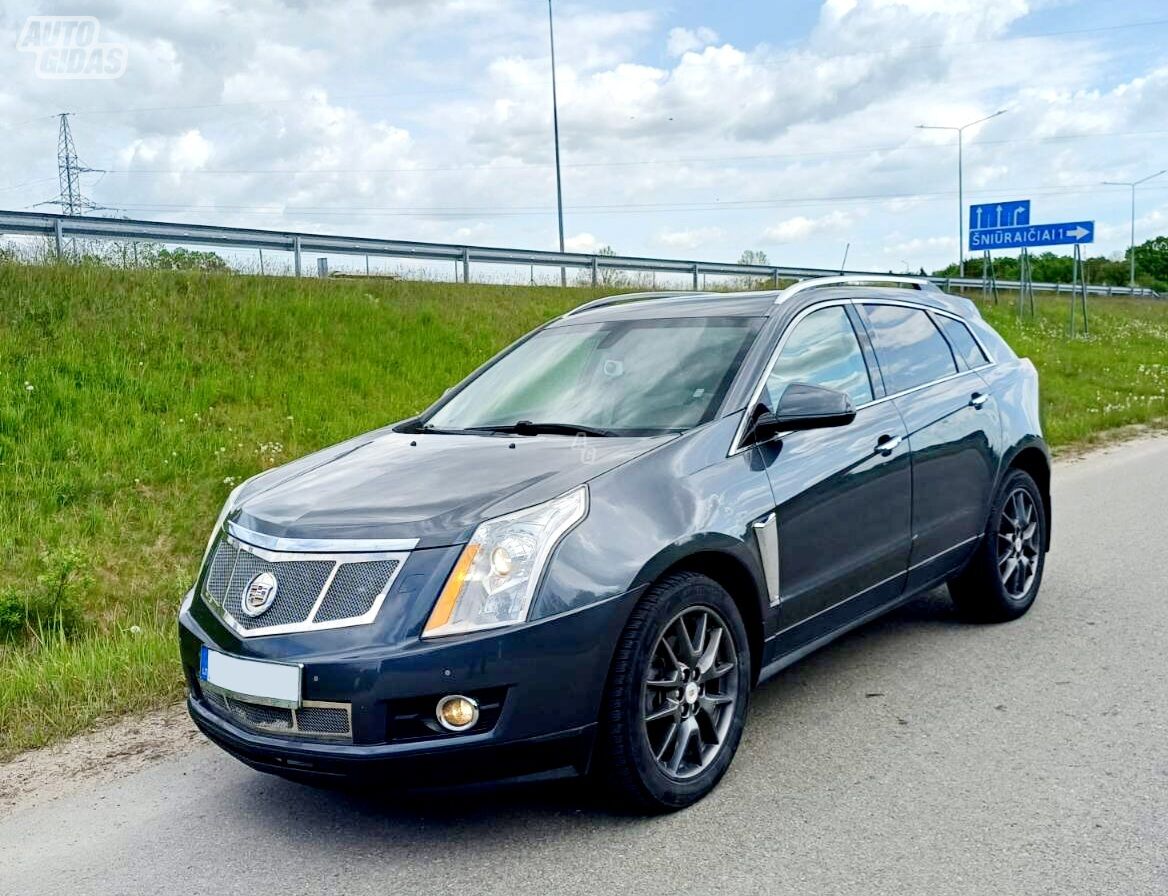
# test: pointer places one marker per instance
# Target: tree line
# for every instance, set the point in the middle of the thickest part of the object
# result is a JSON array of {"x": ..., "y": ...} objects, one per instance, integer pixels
[{"x": 1049, "y": 267}]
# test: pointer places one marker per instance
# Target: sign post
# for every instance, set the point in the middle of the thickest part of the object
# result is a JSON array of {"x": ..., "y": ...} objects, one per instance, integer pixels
[
  {"x": 989, "y": 279},
  {"x": 1078, "y": 291},
  {"x": 1025, "y": 284}
]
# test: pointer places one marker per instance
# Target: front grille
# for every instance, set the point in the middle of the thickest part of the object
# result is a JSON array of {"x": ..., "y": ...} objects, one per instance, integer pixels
[
  {"x": 354, "y": 589},
  {"x": 300, "y": 586},
  {"x": 312, "y": 591},
  {"x": 313, "y": 719}
]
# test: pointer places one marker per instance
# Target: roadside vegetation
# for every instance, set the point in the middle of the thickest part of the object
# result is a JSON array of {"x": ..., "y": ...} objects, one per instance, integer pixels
[
  {"x": 132, "y": 401},
  {"x": 1101, "y": 270}
]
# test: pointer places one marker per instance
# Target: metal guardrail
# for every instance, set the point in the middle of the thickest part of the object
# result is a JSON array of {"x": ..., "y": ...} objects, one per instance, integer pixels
[{"x": 61, "y": 227}]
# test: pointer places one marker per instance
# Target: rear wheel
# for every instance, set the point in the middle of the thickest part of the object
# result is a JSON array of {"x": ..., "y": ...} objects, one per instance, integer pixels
[
  {"x": 676, "y": 698},
  {"x": 1002, "y": 579}
]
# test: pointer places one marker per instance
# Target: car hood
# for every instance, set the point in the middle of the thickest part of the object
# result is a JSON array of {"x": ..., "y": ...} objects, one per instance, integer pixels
[{"x": 432, "y": 487}]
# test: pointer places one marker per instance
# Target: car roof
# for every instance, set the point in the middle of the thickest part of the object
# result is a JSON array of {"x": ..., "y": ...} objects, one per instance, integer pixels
[
  {"x": 768, "y": 302},
  {"x": 639, "y": 306}
]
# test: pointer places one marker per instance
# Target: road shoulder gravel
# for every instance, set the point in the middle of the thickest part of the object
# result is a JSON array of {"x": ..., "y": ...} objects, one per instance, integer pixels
[{"x": 114, "y": 751}]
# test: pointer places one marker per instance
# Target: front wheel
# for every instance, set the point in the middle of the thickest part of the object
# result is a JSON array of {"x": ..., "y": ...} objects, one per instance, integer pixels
[
  {"x": 676, "y": 698},
  {"x": 1001, "y": 581}
]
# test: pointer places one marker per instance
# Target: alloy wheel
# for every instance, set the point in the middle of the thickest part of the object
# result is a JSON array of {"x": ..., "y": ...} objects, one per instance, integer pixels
[
  {"x": 1018, "y": 548},
  {"x": 690, "y": 692}
]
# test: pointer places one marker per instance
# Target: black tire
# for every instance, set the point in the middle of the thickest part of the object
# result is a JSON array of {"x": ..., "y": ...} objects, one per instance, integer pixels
[
  {"x": 1002, "y": 579},
  {"x": 639, "y": 687}
]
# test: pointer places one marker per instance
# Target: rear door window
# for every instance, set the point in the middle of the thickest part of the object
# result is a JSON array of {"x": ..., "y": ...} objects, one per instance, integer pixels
[
  {"x": 909, "y": 347},
  {"x": 964, "y": 345}
]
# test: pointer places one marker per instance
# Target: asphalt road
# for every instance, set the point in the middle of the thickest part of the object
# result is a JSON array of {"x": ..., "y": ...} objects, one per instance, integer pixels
[{"x": 917, "y": 755}]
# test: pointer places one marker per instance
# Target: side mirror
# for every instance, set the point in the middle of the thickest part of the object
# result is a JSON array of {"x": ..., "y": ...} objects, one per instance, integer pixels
[
  {"x": 812, "y": 407},
  {"x": 763, "y": 427}
]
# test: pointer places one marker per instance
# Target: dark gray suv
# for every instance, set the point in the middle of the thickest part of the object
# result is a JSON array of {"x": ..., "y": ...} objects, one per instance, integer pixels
[{"x": 584, "y": 556}]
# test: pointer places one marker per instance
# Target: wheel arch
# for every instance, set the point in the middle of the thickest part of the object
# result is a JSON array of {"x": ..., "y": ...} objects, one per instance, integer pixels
[
  {"x": 734, "y": 566},
  {"x": 1033, "y": 458}
]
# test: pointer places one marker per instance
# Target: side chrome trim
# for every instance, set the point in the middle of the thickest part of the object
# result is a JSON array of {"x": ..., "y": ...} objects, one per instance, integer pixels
[
  {"x": 736, "y": 446},
  {"x": 947, "y": 550},
  {"x": 839, "y": 603},
  {"x": 319, "y": 545},
  {"x": 766, "y": 533}
]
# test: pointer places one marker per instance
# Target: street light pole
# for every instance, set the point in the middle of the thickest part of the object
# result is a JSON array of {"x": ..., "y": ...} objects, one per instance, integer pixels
[
  {"x": 960, "y": 179},
  {"x": 1132, "y": 185},
  {"x": 556, "y": 131}
]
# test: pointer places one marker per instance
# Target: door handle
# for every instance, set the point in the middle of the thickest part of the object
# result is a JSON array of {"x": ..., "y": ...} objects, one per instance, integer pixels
[
  {"x": 978, "y": 399},
  {"x": 887, "y": 444}
]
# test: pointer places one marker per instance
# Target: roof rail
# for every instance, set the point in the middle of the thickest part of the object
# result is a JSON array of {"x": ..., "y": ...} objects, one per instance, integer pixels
[
  {"x": 856, "y": 279},
  {"x": 627, "y": 297}
]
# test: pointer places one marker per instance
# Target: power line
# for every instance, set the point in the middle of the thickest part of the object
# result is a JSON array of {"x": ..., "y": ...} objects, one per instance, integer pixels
[
  {"x": 622, "y": 208},
  {"x": 686, "y": 160},
  {"x": 273, "y": 101}
]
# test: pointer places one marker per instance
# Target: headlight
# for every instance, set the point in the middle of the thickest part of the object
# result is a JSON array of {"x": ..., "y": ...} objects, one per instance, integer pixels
[{"x": 495, "y": 578}]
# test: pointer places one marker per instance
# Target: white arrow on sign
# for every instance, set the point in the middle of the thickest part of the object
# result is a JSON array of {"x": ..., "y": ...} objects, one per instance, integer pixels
[{"x": 1078, "y": 232}]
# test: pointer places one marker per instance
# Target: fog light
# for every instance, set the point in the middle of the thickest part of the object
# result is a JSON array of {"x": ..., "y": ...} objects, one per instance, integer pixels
[{"x": 457, "y": 713}]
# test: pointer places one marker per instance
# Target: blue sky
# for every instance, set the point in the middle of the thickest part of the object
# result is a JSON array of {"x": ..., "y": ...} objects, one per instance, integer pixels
[{"x": 689, "y": 129}]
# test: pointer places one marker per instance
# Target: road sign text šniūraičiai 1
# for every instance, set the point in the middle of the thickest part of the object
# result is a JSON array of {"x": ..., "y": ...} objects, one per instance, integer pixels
[{"x": 1065, "y": 233}]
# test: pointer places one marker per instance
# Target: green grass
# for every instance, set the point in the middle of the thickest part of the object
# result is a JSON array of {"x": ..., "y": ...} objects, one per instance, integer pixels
[
  {"x": 131, "y": 402},
  {"x": 1116, "y": 376}
]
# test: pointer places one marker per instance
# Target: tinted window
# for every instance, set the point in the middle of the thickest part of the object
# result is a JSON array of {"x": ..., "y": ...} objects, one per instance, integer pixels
[
  {"x": 910, "y": 348},
  {"x": 822, "y": 351},
  {"x": 629, "y": 376},
  {"x": 964, "y": 345}
]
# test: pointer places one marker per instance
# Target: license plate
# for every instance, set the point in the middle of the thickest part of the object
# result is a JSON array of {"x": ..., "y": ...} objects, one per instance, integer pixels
[{"x": 257, "y": 681}]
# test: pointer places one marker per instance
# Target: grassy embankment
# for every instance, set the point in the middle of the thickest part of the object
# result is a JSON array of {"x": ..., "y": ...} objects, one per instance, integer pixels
[{"x": 131, "y": 401}]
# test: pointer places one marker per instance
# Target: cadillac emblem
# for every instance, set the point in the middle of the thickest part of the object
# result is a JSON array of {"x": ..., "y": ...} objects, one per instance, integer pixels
[{"x": 259, "y": 595}]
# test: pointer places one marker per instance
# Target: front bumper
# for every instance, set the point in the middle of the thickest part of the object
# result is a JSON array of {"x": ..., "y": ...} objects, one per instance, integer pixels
[{"x": 545, "y": 679}]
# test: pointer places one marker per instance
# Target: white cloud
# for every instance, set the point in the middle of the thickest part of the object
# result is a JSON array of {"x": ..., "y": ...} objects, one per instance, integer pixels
[
  {"x": 690, "y": 239},
  {"x": 800, "y": 227},
  {"x": 684, "y": 40},
  {"x": 582, "y": 242}
]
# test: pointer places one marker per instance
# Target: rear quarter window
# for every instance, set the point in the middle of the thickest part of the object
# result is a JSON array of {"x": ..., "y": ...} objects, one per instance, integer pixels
[
  {"x": 997, "y": 347},
  {"x": 964, "y": 345}
]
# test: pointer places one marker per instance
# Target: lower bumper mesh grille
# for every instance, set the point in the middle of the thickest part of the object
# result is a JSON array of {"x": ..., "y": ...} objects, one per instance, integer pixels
[{"x": 314, "y": 719}]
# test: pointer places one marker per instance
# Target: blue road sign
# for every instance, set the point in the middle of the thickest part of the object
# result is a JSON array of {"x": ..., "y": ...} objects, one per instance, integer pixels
[
  {"x": 1065, "y": 234},
  {"x": 993, "y": 215}
]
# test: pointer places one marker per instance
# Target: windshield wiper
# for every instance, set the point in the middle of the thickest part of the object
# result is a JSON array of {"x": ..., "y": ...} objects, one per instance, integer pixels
[{"x": 530, "y": 428}]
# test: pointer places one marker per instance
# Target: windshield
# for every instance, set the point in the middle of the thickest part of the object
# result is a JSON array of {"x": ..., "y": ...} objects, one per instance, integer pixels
[{"x": 622, "y": 377}]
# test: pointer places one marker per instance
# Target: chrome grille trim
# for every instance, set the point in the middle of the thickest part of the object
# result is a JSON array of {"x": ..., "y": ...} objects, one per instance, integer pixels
[
  {"x": 321, "y": 545},
  {"x": 226, "y": 550}
]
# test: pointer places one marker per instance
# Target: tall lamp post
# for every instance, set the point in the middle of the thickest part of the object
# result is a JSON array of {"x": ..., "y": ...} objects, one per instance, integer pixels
[
  {"x": 556, "y": 131},
  {"x": 960, "y": 180},
  {"x": 1133, "y": 184}
]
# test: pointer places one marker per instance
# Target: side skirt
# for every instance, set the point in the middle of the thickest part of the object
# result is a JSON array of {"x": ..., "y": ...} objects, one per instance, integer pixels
[{"x": 788, "y": 647}]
